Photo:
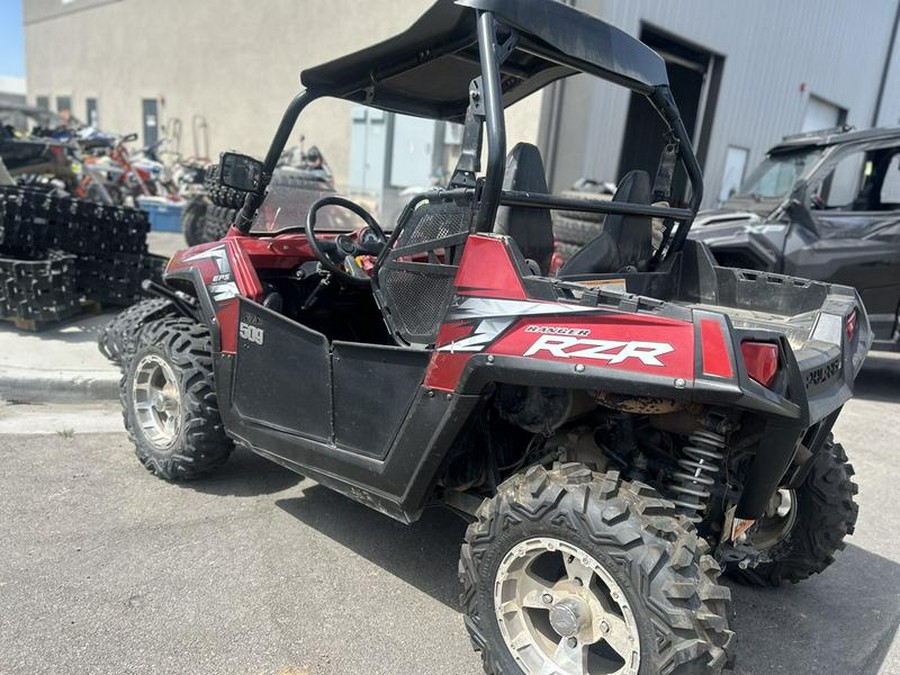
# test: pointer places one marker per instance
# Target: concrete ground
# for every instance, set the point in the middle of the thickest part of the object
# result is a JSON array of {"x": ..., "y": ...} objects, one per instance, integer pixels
[{"x": 106, "y": 569}]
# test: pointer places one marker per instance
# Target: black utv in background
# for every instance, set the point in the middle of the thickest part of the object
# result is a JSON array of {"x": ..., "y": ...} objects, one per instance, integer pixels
[{"x": 823, "y": 205}]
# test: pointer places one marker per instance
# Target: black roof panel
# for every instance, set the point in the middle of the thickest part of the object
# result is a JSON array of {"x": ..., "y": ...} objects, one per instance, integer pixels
[
  {"x": 838, "y": 136},
  {"x": 426, "y": 69}
]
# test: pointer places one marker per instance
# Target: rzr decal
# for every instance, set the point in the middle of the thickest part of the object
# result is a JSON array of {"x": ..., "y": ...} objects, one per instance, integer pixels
[{"x": 611, "y": 351}]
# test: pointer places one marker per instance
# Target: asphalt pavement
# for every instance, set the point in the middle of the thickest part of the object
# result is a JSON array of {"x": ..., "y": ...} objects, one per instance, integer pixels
[{"x": 106, "y": 569}]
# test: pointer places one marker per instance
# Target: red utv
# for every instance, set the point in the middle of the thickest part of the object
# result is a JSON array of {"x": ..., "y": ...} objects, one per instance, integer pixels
[{"x": 616, "y": 433}]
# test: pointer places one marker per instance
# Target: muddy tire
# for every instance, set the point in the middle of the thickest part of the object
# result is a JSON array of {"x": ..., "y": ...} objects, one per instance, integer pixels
[
  {"x": 825, "y": 513},
  {"x": 117, "y": 339},
  {"x": 662, "y": 602},
  {"x": 169, "y": 401}
]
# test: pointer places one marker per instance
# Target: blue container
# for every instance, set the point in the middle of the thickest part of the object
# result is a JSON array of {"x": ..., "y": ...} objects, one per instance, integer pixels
[{"x": 165, "y": 216}]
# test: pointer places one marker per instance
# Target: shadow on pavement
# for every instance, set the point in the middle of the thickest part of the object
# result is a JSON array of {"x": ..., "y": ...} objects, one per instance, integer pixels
[
  {"x": 423, "y": 554},
  {"x": 836, "y": 623},
  {"x": 879, "y": 379},
  {"x": 246, "y": 474}
]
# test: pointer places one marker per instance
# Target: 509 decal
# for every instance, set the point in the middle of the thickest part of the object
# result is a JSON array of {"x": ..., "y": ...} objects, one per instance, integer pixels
[
  {"x": 251, "y": 333},
  {"x": 611, "y": 351}
]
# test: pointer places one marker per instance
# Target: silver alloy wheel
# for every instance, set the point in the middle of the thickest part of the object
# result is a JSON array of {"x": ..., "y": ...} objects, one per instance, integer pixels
[
  {"x": 777, "y": 522},
  {"x": 561, "y": 612},
  {"x": 156, "y": 398}
]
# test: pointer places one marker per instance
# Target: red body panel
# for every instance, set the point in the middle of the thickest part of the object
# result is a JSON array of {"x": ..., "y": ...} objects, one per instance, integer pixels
[
  {"x": 492, "y": 313},
  {"x": 548, "y": 331},
  {"x": 229, "y": 267},
  {"x": 487, "y": 271},
  {"x": 632, "y": 342}
]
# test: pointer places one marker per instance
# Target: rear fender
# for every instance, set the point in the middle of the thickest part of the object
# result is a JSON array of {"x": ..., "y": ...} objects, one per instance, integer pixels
[{"x": 217, "y": 273}]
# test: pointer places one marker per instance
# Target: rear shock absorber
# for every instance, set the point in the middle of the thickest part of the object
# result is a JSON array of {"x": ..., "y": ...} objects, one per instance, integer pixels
[{"x": 697, "y": 471}]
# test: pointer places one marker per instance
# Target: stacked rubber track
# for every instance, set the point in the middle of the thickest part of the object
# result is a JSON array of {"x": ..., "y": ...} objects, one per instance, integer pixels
[{"x": 57, "y": 251}]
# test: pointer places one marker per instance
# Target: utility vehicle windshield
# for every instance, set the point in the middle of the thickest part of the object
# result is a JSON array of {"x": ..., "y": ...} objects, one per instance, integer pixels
[
  {"x": 776, "y": 175},
  {"x": 286, "y": 207}
]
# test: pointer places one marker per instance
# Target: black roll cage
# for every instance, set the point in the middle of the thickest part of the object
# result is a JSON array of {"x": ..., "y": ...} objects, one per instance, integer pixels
[{"x": 491, "y": 55}]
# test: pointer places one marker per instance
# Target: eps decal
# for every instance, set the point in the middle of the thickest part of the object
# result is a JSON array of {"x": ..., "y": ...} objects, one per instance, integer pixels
[{"x": 611, "y": 351}]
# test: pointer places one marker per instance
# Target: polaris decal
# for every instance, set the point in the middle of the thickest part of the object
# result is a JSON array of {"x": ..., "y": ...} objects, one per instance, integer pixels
[{"x": 611, "y": 351}]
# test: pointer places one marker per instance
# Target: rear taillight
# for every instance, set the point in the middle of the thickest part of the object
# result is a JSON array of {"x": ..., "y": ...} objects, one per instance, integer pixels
[
  {"x": 851, "y": 325},
  {"x": 761, "y": 361}
]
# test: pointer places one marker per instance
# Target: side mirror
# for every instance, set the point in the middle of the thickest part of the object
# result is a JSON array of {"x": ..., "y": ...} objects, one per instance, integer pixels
[
  {"x": 240, "y": 172},
  {"x": 129, "y": 138}
]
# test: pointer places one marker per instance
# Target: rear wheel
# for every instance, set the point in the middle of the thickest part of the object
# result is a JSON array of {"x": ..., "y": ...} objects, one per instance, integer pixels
[
  {"x": 571, "y": 572},
  {"x": 169, "y": 401},
  {"x": 803, "y": 528}
]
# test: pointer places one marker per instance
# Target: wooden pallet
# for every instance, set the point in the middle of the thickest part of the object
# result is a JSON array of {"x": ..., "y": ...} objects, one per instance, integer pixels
[{"x": 88, "y": 308}]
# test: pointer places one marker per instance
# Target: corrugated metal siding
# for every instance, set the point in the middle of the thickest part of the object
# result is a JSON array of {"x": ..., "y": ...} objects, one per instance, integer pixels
[{"x": 836, "y": 47}]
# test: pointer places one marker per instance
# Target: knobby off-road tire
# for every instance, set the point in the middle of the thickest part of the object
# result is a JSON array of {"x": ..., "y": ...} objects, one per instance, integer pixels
[
  {"x": 591, "y": 195},
  {"x": 572, "y": 231},
  {"x": 216, "y": 222},
  {"x": 654, "y": 556},
  {"x": 566, "y": 250},
  {"x": 195, "y": 444},
  {"x": 192, "y": 221},
  {"x": 117, "y": 339},
  {"x": 826, "y": 513}
]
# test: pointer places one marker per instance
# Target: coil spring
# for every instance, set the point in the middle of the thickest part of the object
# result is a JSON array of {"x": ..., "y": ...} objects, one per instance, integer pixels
[{"x": 702, "y": 461}]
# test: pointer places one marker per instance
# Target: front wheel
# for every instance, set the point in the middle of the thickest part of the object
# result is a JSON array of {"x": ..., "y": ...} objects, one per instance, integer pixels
[
  {"x": 567, "y": 571},
  {"x": 803, "y": 528},
  {"x": 169, "y": 401}
]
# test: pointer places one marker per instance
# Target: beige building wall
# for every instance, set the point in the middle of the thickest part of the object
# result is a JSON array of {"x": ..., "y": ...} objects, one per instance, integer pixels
[{"x": 234, "y": 62}]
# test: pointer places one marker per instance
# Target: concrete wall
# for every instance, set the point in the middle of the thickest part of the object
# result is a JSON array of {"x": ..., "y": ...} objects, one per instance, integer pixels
[
  {"x": 237, "y": 63},
  {"x": 777, "y": 54}
]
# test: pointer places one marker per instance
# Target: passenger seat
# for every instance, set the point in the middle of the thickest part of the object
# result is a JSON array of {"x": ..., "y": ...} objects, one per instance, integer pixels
[
  {"x": 532, "y": 229},
  {"x": 625, "y": 241}
]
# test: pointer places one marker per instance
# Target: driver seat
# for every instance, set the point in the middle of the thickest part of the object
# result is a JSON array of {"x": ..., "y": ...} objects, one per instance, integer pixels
[
  {"x": 531, "y": 229},
  {"x": 625, "y": 241}
]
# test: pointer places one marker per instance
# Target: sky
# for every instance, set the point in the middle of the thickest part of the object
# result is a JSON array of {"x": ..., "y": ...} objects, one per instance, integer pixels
[{"x": 12, "y": 46}]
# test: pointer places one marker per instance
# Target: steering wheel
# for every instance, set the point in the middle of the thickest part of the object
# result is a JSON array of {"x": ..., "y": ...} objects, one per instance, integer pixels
[{"x": 338, "y": 256}]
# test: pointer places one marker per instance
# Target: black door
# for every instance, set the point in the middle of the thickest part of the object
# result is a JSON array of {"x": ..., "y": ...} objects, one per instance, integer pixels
[
  {"x": 150, "y": 115},
  {"x": 282, "y": 376},
  {"x": 693, "y": 77}
]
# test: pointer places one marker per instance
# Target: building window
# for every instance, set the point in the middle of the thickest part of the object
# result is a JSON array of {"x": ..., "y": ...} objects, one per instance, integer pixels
[
  {"x": 42, "y": 102},
  {"x": 733, "y": 173},
  {"x": 92, "y": 115},
  {"x": 64, "y": 107}
]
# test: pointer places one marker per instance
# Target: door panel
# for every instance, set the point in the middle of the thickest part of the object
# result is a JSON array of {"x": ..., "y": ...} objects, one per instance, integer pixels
[
  {"x": 373, "y": 388},
  {"x": 150, "y": 115},
  {"x": 282, "y": 376}
]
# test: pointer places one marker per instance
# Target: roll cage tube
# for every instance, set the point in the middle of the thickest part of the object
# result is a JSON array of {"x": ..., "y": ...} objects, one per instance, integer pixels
[
  {"x": 492, "y": 194},
  {"x": 244, "y": 219}
]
